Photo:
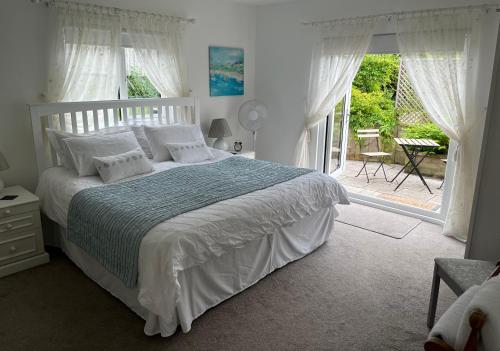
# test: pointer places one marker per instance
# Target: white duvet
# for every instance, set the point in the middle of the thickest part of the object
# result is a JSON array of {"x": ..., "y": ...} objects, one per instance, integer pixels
[{"x": 193, "y": 237}]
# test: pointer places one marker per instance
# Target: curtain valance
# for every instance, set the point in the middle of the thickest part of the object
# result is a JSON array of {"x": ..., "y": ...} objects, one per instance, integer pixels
[{"x": 78, "y": 7}]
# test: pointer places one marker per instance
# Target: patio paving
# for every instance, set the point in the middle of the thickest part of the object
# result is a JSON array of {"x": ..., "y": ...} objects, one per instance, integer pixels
[{"x": 412, "y": 192}]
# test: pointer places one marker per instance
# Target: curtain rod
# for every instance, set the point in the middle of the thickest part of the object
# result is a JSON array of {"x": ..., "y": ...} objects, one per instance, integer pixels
[
  {"x": 54, "y": 3},
  {"x": 389, "y": 16}
]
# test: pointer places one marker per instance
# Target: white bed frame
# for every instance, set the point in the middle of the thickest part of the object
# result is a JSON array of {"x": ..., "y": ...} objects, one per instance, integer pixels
[
  {"x": 203, "y": 286},
  {"x": 92, "y": 116}
]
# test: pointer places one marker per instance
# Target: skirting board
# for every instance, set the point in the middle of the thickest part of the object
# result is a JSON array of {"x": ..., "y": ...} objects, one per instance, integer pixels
[{"x": 24, "y": 264}]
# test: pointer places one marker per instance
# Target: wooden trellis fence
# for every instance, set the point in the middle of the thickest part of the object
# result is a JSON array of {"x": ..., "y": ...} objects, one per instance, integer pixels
[{"x": 407, "y": 101}]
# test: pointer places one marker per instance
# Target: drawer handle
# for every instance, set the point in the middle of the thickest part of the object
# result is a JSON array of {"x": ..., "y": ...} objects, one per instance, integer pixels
[
  {"x": 13, "y": 249},
  {"x": 7, "y": 212}
]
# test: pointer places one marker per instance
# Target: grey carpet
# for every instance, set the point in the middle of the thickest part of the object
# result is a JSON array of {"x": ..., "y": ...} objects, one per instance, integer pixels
[
  {"x": 378, "y": 221},
  {"x": 359, "y": 291}
]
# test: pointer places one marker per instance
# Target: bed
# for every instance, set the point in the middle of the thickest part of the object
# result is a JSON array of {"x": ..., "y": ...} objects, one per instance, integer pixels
[{"x": 198, "y": 258}]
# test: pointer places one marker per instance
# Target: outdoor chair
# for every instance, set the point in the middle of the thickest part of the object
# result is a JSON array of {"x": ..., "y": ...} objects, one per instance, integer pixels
[
  {"x": 372, "y": 134},
  {"x": 445, "y": 161}
]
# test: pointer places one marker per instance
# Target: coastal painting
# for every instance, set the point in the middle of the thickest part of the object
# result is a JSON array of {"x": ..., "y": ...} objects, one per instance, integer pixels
[{"x": 226, "y": 71}]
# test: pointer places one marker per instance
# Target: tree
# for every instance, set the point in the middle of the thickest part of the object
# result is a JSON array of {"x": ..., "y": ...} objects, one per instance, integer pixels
[
  {"x": 139, "y": 86},
  {"x": 373, "y": 96}
]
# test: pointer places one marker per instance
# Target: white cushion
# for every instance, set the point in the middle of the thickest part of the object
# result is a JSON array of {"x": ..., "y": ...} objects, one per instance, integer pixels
[
  {"x": 128, "y": 164},
  {"x": 487, "y": 299},
  {"x": 158, "y": 137},
  {"x": 56, "y": 141},
  {"x": 142, "y": 139},
  {"x": 447, "y": 326},
  {"x": 196, "y": 151},
  {"x": 83, "y": 149}
]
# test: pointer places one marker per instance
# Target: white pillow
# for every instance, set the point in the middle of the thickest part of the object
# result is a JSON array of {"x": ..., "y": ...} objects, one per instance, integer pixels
[
  {"x": 128, "y": 164},
  {"x": 447, "y": 326},
  {"x": 56, "y": 141},
  {"x": 189, "y": 152},
  {"x": 487, "y": 299},
  {"x": 83, "y": 149},
  {"x": 142, "y": 139},
  {"x": 158, "y": 137}
]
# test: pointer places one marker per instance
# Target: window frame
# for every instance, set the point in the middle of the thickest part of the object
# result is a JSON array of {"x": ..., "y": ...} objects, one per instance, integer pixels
[{"x": 122, "y": 93}]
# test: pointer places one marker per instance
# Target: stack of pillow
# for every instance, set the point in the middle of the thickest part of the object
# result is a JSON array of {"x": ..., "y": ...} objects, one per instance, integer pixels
[{"x": 118, "y": 153}]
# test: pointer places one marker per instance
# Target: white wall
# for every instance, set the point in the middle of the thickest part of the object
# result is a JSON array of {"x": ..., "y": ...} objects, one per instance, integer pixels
[
  {"x": 23, "y": 76},
  {"x": 484, "y": 233},
  {"x": 23, "y": 62},
  {"x": 283, "y": 54}
]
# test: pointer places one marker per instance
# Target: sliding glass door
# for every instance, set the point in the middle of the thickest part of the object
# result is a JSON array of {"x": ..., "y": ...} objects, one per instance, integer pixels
[{"x": 337, "y": 129}]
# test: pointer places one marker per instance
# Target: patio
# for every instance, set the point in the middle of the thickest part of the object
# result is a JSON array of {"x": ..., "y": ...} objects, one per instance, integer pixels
[{"x": 412, "y": 192}]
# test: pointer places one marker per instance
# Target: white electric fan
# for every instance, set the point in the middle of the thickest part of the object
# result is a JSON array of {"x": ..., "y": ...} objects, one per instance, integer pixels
[{"x": 251, "y": 116}]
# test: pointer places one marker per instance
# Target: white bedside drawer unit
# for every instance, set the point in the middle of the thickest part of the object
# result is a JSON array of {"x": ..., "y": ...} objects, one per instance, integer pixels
[
  {"x": 21, "y": 239},
  {"x": 23, "y": 221},
  {"x": 15, "y": 210},
  {"x": 17, "y": 248},
  {"x": 244, "y": 153}
]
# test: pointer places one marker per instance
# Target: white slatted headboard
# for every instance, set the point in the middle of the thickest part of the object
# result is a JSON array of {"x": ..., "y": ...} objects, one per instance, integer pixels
[{"x": 90, "y": 116}]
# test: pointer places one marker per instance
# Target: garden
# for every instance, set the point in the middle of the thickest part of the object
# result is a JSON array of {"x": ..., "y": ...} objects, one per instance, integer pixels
[
  {"x": 382, "y": 98},
  {"x": 139, "y": 86}
]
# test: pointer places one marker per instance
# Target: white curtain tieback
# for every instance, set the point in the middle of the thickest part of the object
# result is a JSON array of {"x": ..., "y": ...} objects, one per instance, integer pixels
[{"x": 458, "y": 148}]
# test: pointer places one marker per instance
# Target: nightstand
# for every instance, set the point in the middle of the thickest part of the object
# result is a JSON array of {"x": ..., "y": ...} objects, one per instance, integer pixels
[
  {"x": 21, "y": 240},
  {"x": 244, "y": 153}
]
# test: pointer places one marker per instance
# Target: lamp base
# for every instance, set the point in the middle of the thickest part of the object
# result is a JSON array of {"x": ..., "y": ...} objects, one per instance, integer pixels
[{"x": 220, "y": 144}]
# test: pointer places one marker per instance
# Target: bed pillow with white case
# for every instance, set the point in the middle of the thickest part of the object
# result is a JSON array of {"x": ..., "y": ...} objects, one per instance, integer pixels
[
  {"x": 158, "y": 137},
  {"x": 56, "y": 141},
  {"x": 84, "y": 149},
  {"x": 142, "y": 139},
  {"x": 196, "y": 151},
  {"x": 121, "y": 166}
]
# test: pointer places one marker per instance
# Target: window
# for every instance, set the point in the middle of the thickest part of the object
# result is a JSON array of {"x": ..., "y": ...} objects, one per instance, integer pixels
[{"x": 135, "y": 83}]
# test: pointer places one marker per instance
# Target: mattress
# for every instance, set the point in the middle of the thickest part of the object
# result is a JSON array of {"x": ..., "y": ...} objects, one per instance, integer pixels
[
  {"x": 205, "y": 286},
  {"x": 206, "y": 235}
]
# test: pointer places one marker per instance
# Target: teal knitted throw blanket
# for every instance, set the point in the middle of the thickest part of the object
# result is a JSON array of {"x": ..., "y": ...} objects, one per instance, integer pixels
[{"x": 109, "y": 221}]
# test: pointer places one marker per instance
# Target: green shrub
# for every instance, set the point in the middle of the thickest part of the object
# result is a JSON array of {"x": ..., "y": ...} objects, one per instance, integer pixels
[
  {"x": 373, "y": 94},
  {"x": 378, "y": 72},
  {"x": 428, "y": 131},
  {"x": 373, "y": 110},
  {"x": 139, "y": 86}
]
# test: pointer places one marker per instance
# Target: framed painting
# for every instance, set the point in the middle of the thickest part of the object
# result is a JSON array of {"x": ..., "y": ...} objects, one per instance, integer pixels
[{"x": 227, "y": 71}]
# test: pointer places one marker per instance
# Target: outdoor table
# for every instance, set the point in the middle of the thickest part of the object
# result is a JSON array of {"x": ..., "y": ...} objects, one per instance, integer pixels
[{"x": 412, "y": 148}]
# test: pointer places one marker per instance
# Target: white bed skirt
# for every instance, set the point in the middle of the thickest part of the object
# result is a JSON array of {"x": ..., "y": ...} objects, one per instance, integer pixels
[{"x": 207, "y": 285}]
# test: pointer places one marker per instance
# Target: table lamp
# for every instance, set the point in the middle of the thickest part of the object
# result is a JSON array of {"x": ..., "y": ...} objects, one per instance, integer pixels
[
  {"x": 219, "y": 129},
  {"x": 3, "y": 166}
]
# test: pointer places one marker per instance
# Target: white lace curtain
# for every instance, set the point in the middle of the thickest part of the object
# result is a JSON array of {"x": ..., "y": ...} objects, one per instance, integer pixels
[
  {"x": 441, "y": 54},
  {"x": 85, "y": 63},
  {"x": 157, "y": 44},
  {"x": 335, "y": 61}
]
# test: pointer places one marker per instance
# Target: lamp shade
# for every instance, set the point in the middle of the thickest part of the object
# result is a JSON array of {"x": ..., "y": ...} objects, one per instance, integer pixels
[
  {"x": 3, "y": 163},
  {"x": 219, "y": 129}
]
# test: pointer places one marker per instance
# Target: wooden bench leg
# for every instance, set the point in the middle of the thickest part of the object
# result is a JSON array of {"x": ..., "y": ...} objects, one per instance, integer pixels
[{"x": 431, "y": 316}]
